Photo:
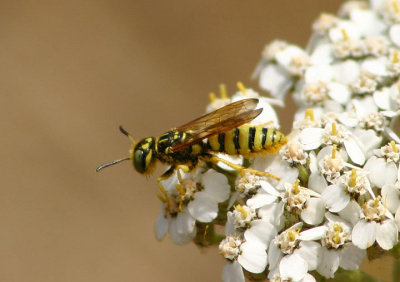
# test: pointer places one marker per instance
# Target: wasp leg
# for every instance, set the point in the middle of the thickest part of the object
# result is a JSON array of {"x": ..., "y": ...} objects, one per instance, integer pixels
[
  {"x": 174, "y": 203},
  {"x": 241, "y": 169},
  {"x": 163, "y": 195}
]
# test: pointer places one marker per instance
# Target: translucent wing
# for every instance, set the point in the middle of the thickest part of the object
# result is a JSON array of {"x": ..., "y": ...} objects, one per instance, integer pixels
[{"x": 221, "y": 120}]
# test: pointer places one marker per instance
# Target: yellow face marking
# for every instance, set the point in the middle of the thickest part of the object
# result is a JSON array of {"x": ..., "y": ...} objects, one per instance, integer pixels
[
  {"x": 148, "y": 161},
  {"x": 145, "y": 146}
]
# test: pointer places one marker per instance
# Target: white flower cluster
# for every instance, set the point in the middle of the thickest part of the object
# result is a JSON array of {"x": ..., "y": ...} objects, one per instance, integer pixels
[{"x": 339, "y": 188}]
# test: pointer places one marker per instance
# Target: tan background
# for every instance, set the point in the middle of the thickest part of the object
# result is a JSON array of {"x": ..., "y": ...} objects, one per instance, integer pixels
[{"x": 70, "y": 73}]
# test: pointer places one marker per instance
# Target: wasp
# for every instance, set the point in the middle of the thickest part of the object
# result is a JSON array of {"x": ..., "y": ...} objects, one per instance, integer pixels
[{"x": 221, "y": 131}]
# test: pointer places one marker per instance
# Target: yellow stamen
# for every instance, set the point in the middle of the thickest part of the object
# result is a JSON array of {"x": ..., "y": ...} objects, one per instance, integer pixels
[
  {"x": 212, "y": 97},
  {"x": 291, "y": 235},
  {"x": 296, "y": 188},
  {"x": 334, "y": 130},
  {"x": 222, "y": 91},
  {"x": 396, "y": 7},
  {"x": 241, "y": 87},
  {"x": 337, "y": 228},
  {"x": 344, "y": 34},
  {"x": 377, "y": 200},
  {"x": 394, "y": 148},
  {"x": 241, "y": 210},
  {"x": 309, "y": 114},
  {"x": 334, "y": 150},
  {"x": 398, "y": 88},
  {"x": 336, "y": 238},
  {"x": 396, "y": 56},
  {"x": 353, "y": 178}
]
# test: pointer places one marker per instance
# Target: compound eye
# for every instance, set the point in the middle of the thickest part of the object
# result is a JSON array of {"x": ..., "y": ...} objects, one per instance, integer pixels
[{"x": 139, "y": 161}]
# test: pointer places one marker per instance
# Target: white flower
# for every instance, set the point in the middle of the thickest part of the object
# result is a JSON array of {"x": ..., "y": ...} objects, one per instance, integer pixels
[
  {"x": 180, "y": 227},
  {"x": 383, "y": 169},
  {"x": 324, "y": 23},
  {"x": 290, "y": 256},
  {"x": 394, "y": 34},
  {"x": 204, "y": 206},
  {"x": 375, "y": 225},
  {"x": 276, "y": 80},
  {"x": 351, "y": 185},
  {"x": 298, "y": 201},
  {"x": 294, "y": 153},
  {"x": 391, "y": 196},
  {"x": 242, "y": 216},
  {"x": 293, "y": 59},
  {"x": 248, "y": 255},
  {"x": 331, "y": 164}
]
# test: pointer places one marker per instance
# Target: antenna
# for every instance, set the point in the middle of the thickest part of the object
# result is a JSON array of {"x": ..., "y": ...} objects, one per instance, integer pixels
[
  {"x": 111, "y": 163},
  {"x": 127, "y": 134}
]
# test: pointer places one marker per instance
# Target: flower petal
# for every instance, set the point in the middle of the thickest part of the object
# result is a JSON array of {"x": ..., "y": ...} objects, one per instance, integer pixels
[
  {"x": 380, "y": 171},
  {"x": 354, "y": 151},
  {"x": 387, "y": 234},
  {"x": 351, "y": 257},
  {"x": 203, "y": 207},
  {"x": 315, "y": 233},
  {"x": 314, "y": 212},
  {"x": 391, "y": 197},
  {"x": 260, "y": 232},
  {"x": 317, "y": 182},
  {"x": 293, "y": 267},
  {"x": 394, "y": 34},
  {"x": 335, "y": 198},
  {"x": 260, "y": 199},
  {"x": 274, "y": 255},
  {"x": 216, "y": 185},
  {"x": 311, "y": 138},
  {"x": 310, "y": 252},
  {"x": 253, "y": 257},
  {"x": 364, "y": 234},
  {"x": 276, "y": 80},
  {"x": 161, "y": 226},
  {"x": 181, "y": 229},
  {"x": 232, "y": 272},
  {"x": 329, "y": 263},
  {"x": 351, "y": 212}
]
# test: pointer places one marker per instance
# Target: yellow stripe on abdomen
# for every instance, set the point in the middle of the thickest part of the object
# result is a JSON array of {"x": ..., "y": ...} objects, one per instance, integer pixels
[
  {"x": 214, "y": 143},
  {"x": 258, "y": 139},
  {"x": 244, "y": 140},
  {"x": 229, "y": 144}
]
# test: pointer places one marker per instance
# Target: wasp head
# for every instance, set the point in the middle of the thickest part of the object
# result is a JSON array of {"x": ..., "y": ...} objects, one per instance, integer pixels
[{"x": 142, "y": 155}]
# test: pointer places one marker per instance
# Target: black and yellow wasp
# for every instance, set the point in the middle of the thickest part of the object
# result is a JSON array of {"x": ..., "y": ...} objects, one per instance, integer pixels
[{"x": 225, "y": 130}]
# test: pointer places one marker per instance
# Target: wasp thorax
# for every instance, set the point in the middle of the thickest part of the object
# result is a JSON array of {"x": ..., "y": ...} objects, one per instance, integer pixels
[{"x": 142, "y": 155}]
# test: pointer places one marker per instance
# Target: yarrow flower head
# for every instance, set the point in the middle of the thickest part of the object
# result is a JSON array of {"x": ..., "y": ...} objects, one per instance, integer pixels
[{"x": 331, "y": 191}]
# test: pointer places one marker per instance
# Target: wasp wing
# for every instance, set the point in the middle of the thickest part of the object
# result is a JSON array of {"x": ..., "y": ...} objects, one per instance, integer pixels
[{"x": 221, "y": 120}]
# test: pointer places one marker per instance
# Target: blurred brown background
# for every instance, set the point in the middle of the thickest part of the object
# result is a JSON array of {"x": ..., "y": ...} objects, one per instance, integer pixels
[{"x": 70, "y": 73}]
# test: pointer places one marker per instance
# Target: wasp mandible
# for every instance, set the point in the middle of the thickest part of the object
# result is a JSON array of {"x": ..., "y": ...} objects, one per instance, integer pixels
[{"x": 224, "y": 130}]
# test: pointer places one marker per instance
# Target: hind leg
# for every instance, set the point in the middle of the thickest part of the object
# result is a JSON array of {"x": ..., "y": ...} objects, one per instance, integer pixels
[{"x": 242, "y": 170}]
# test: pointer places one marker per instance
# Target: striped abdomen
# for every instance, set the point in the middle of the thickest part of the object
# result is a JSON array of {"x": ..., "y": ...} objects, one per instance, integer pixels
[{"x": 246, "y": 140}]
